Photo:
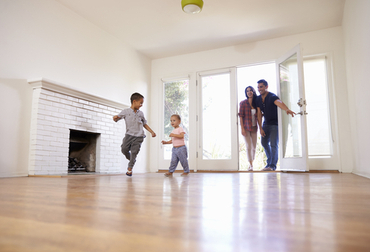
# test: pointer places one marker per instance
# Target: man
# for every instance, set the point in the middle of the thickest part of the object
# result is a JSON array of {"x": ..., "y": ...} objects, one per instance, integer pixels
[{"x": 267, "y": 104}]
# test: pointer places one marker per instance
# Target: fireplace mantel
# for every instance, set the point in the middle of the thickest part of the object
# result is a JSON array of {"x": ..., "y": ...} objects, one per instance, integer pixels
[{"x": 63, "y": 89}]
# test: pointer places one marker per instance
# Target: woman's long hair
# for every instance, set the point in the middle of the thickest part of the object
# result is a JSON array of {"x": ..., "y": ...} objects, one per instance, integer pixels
[{"x": 254, "y": 95}]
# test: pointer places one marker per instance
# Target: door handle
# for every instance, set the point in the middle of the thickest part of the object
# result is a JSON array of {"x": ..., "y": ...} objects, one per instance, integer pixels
[{"x": 302, "y": 113}]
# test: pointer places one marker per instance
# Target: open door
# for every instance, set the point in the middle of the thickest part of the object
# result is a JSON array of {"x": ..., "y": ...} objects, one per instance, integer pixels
[{"x": 292, "y": 130}]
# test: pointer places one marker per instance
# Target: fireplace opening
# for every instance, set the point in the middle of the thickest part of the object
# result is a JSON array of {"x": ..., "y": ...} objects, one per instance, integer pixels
[{"x": 82, "y": 151}]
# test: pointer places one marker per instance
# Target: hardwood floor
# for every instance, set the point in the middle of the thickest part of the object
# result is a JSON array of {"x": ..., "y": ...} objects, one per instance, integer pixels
[{"x": 202, "y": 212}]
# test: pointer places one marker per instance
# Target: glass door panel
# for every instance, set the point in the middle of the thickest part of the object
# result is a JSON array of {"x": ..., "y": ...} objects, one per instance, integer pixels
[
  {"x": 217, "y": 121},
  {"x": 175, "y": 101},
  {"x": 289, "y": 94},
  {"x": 316, "y": 86},
  {"x": 292, "y": 130},
  {"x": 216, "y": 117}
]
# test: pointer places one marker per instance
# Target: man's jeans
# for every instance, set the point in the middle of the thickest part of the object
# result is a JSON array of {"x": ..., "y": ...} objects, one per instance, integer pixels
[{"x": 270, "y": 143}]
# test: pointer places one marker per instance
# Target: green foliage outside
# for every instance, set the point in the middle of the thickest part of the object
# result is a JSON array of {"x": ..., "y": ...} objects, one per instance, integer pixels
[
  {"x": 176, "y": 102},
  {"x": 216, "y": 152}
]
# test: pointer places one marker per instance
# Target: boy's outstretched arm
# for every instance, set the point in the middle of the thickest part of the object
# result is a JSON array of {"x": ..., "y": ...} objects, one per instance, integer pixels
[
  {"x": 116, "y": 118},
  {"x": 146, "y": 126}
]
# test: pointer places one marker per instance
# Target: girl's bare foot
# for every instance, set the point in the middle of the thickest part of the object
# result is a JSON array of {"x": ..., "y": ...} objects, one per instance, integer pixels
[
  {"x": 184, "y": 174},
  {"x": 168, "y": 174}
]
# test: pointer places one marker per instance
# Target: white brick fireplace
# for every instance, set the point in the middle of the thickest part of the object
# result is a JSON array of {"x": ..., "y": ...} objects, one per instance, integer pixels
[{"x": 56, "y": 109}]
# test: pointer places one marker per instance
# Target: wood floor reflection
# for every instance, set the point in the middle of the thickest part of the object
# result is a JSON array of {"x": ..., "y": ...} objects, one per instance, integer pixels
[{"x": 202, "y": 212}]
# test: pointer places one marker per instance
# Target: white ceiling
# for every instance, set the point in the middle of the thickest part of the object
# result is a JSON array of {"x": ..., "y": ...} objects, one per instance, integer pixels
[{"x": 159, "y": 28}]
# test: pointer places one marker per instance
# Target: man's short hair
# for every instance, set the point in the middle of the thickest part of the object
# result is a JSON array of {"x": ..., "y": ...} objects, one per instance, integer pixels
[
  {"x": 263, "y": 82},
  {"x": 136, "y": 97}
]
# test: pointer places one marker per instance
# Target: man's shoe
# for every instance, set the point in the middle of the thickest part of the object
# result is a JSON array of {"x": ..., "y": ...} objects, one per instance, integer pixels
[{"x": 267, "y": 169}]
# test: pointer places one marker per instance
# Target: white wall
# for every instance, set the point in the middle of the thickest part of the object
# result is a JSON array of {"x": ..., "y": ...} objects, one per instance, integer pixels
[
  {"x": 317, "y": 42},
  {"x": 42, "y": 38},
  {"x": 356, "y": 29}
]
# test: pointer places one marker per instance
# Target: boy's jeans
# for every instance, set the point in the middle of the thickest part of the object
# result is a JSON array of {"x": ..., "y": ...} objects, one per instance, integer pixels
[
  {"x": 270, "y": 143},
  {"x": 130, "y": 148}
]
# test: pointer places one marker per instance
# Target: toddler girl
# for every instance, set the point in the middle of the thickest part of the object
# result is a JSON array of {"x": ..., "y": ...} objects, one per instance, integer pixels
[{"x": 179, "y": 151}]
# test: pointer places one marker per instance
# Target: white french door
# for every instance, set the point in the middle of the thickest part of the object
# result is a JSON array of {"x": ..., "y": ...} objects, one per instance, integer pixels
[
  {"x": 292, "y": 130},
  {"x": 176, "y": 100},
  {"x": 217, "y": 147}
]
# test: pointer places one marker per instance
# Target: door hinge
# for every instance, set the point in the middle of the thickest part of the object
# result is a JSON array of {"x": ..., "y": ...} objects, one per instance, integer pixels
[{"x": 197, "y": 154}]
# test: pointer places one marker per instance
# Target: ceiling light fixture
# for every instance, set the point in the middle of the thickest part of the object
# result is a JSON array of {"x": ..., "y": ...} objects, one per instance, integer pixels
[{"x": 192, "y": 6}]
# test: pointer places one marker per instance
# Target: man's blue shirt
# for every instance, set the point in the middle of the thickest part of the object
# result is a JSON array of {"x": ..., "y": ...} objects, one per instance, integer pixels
[{"x": 268, "y": 108}]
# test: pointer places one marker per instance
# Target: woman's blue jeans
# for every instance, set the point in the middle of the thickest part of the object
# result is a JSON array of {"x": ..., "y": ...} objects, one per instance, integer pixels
[{"x": 270, "y": 143}]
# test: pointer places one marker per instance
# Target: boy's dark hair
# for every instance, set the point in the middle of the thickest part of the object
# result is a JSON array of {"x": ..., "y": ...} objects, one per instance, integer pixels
[
  {"x": 136, "y": 97},
  {"x": 263, "y": 82},
  {"x": 177, "y": 116}
]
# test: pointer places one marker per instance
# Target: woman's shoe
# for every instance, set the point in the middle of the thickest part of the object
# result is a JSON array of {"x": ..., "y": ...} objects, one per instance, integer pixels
[{"x": 250, "y": 168}]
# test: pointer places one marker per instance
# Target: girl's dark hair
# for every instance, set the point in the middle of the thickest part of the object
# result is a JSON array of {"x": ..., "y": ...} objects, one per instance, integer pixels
[
  {"x": 254, "y": 95},
  {"x": 177, "y": 116},
  {"x": 136, "y": 97}
]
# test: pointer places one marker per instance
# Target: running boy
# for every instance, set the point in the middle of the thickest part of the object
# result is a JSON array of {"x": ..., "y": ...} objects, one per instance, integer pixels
[
  {"x": 179, "y": 151},
  {"x": 135, "y": 121}
]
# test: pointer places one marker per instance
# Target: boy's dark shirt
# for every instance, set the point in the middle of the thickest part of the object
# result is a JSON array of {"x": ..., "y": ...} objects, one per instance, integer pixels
[{"x": 268, "y": 108}]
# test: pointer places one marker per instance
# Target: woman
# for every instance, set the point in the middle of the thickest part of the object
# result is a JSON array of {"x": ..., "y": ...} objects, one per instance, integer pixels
[{"x": 248, "y": 123}]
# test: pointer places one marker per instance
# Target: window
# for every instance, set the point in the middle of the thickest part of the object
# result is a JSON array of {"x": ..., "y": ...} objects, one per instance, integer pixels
[{"x": 318, "y": 120}]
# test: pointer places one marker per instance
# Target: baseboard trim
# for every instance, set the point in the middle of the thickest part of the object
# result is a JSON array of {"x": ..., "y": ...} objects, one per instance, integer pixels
[
  {"x": 198, "y": 171},
  {"x": 361, "y": 175},
  {"x": 316, "y": 171},
  {"x": 79, "y": 175},
  {"x": 45, "y": 176},
  {"x": 9, "y": 175}
]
